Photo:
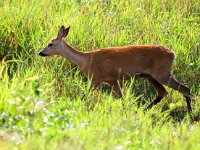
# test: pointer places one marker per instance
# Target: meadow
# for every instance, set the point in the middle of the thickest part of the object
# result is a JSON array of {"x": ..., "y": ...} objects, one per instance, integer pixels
[{"x": 40, "y": 98}]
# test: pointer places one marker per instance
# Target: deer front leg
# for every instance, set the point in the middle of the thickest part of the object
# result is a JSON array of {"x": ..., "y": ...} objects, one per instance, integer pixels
[
  {"x": 93, "y": 86},
  {"x": 117, "y": 89}
]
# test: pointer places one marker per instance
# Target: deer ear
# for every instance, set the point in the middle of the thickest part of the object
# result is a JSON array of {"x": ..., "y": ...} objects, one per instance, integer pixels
[
  {"x": 67, "y": 31},
  {"x": 62, "y": 33}
]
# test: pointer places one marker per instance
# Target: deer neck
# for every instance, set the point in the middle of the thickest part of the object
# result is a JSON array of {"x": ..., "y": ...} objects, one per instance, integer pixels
[{"x": 72, "y": 54}]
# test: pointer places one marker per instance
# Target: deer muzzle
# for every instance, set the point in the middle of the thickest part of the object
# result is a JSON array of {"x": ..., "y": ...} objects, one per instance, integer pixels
[{"x": 42, "y": 54}]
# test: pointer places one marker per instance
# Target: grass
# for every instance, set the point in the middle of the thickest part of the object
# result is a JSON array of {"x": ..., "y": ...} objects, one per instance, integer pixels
[{"x": 40, "y": 99}]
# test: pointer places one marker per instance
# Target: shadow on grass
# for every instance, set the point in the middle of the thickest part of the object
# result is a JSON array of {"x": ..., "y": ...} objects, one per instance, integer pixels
[{"x": 175, "y": 115}]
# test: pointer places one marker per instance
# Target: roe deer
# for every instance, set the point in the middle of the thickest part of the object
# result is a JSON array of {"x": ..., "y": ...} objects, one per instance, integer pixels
[{"x": 112, "y": 64}]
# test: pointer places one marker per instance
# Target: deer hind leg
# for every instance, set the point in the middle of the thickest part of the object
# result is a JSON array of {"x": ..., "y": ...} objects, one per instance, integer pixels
[
  {"x": 172, "y": 83},
  {"x": 161, "y": 91}
]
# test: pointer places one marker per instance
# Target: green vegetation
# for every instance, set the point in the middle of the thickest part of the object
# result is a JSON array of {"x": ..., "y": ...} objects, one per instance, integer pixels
[{"x": 40, "y": 98}]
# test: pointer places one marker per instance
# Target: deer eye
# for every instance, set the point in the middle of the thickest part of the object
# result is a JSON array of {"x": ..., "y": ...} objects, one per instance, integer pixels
[{"x": 50, "y": 44}]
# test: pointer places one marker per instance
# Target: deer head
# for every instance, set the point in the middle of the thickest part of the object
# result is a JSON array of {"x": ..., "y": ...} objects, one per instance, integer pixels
[{"x": 55, "y": 47}]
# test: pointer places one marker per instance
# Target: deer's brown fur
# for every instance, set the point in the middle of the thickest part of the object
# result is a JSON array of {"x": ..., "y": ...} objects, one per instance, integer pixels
[{"x": 112, "y": 64}]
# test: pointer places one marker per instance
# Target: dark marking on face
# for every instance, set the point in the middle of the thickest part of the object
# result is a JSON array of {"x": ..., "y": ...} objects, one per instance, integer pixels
[{"x": 50, "y": 44}]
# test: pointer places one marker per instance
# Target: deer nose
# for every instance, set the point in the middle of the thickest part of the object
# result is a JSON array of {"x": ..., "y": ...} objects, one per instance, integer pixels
[{"x": 42, "y": 54}]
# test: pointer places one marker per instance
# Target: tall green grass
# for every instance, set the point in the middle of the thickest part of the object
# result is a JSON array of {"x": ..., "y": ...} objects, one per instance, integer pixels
[{"x": 40, "y": 99}]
